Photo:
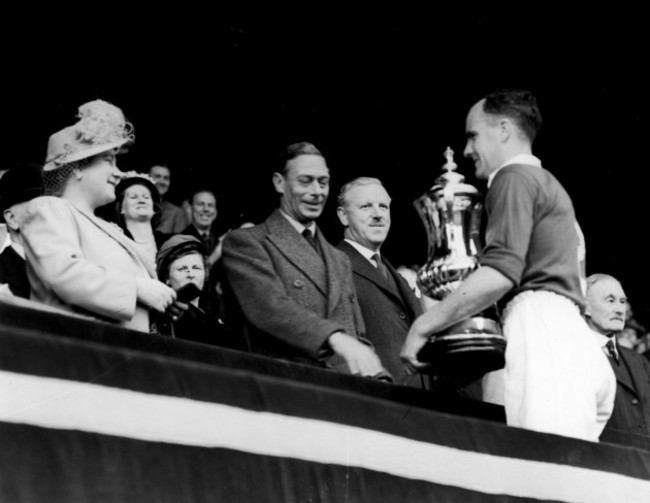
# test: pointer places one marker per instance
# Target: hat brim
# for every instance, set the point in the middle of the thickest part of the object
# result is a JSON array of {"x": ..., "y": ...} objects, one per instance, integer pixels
[
  {"x": 175, "y": 246},
  {"x": 125, "y": 183},
  {"x": 84, "y": 154}
]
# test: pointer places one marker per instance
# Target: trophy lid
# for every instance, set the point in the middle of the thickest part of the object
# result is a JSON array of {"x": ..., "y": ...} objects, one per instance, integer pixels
[
  {"x": 450, "y": 175},
  {"x": 451, "y": 180}
]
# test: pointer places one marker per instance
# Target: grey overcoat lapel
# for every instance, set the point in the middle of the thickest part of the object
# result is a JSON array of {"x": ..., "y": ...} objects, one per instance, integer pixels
[
  {"x": 335, "y": 272},
  {"x": 297, "y": 250}
]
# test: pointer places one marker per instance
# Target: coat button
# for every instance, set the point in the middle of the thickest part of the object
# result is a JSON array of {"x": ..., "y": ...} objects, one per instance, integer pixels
[
  {"x": 352, "y": 299},
  {"x": 298, "y": 283},
  {"x": 635, "y": 401},
  {"x": 402, "y": 316}
]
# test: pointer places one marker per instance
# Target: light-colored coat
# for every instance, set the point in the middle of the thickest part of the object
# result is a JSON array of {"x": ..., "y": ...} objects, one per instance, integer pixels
[{"x": 83, "y": 264}]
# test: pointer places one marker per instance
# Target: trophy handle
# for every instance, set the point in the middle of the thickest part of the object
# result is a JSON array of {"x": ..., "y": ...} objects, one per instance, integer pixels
[{"x": 476, "y": 230}]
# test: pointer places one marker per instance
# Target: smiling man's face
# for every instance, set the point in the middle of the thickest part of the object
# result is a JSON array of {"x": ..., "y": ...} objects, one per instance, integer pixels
[
  {"x": 366, "y": 215},
  {"x": 304, "y": 186},
  {"x": 606, "y": 306}
]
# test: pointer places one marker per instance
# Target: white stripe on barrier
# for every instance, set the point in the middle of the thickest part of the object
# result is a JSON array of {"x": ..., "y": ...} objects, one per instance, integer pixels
[{"x": 70, "y": 405}]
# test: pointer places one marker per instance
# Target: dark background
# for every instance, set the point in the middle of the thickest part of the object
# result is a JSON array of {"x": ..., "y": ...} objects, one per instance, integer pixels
[{"x": 381, "y": 88}]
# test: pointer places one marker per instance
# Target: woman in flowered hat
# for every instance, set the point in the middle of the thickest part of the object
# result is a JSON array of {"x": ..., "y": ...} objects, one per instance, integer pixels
[{"x": 76, "y": 260}]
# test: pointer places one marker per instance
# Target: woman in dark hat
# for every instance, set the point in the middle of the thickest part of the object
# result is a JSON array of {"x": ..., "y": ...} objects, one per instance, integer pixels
[
  {"x": 137, "y": 210},
  {"x": 182, "y": 264},
  {"x": 76, "y": 260}
]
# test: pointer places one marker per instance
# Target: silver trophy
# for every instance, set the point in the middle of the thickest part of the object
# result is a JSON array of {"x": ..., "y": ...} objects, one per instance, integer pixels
[{"x": 452, "y": 211}]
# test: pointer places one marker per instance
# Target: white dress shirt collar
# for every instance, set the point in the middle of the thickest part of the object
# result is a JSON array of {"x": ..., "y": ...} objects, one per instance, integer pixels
[
  {"x": 7, "y": 241},
  {"x": 298, "y": 226},
  {"x": 603, "y": 340},
  {"x": 18, "y": 248},
  {"x": 366, "y": 252}
]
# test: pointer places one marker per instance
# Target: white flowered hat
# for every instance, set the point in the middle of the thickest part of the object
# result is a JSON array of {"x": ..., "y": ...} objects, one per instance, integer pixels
[{"x": 101, "y": 127}]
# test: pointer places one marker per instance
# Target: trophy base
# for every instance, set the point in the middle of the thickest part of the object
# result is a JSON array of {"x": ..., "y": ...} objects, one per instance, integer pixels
[{"x": 470, "y": 348}]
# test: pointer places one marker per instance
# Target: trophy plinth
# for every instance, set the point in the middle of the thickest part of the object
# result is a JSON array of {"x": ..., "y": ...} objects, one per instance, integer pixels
[{"x": 451, "y": 212}]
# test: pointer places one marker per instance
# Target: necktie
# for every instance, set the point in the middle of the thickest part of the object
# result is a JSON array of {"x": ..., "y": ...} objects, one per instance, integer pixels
[
  {"x": 611, "y": 351},
  {"x": 311, "y": 239},
  {"x": 381, "y": 266}
]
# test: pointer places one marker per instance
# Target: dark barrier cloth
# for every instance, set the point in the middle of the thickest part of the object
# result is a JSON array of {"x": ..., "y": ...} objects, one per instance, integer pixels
[
  {"x": 21, "y": 315},
  {"x": 44, "y": 464},
  {"x": 41, "y": 465},
  {"x": 59, "y": 357}
]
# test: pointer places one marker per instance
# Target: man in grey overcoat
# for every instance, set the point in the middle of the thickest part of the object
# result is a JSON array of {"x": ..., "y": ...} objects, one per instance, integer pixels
[{"x": 293, "y": 292}]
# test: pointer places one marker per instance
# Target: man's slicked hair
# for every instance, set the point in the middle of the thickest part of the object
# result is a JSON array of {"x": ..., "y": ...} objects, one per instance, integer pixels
[
  {"x": 160, "y": 165},
  {"x": 199, "y": 190},
  {"x": 519, "y": 105},
  {"x": 357, "y": 182},
  {"x": 295, "y": 150}
]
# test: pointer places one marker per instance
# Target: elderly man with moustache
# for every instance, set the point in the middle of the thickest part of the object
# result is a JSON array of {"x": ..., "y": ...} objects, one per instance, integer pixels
[
  {"x": 605, "y": 314},
  {"x": 387, "y": 302},
  {"x": 293, "y": 288},
  {"x": 556, "y": 379}
]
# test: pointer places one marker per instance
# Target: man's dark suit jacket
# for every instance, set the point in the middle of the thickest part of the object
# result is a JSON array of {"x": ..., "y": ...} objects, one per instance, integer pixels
[
  {"x": 13, "y": 271},
  {"x": 290, "y": 300},
  {"x": 210, "y": 243},
  {"x": 215, "y": 276},
  {"x": 387, "y": 313},
  {"x": 632, "y": 402}
]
